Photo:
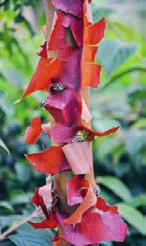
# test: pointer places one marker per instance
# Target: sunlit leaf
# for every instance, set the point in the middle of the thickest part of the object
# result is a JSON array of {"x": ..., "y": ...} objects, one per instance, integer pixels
[
  {"x": 7, "y": 220},
  {"x": 140, "y": 123},
  {"x": 13, "y": 76},
  {"x": 22, "y": 198},
  {"x": 6, "y": 206},
  {"x": 133, "y": 217},
  {"x": 135, "y": 139},
  {"x": 138, "y": 201},
  {"x": 29, "y": 238},
  {"x": 100, "y": 12},
  {"x": 2, "y": 144},
  {"x": 5, "y": 105},
  {"x": 113, "y": 53},
  {"x": 23, "y": 172},
  {"x": 116, "y": 185}
]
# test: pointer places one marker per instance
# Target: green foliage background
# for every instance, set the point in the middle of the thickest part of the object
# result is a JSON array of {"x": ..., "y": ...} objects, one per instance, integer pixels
[{"x": 120, "y": 160}]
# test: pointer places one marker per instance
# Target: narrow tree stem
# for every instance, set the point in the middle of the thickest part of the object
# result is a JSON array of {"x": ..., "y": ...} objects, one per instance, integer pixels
[{"x": 61, "y": 179}]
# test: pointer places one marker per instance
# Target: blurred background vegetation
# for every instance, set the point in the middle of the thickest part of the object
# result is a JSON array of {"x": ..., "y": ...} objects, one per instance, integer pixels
[{"x": 120, "y": 160}]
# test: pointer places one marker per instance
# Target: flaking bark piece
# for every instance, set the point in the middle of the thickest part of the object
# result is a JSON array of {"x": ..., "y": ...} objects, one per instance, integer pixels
[
  {"x": 78, "y": 157},
  {"x": 33, "y": 132},
  {"x": 50, "y": 161}
]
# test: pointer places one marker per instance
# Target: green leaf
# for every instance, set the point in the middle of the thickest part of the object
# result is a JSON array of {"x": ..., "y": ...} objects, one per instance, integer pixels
[
  {"x": 100, "y": 12},
  {"x": 23, "y": 172},
  {"x": 113, "y": 53},
  {"x": 6, "y": 243},
  {"x": 102, "y": 124},
  {"x": 5, "y": 105},
  {"x": 107, "y": 244},
  {"x": 30, "y": 238},
  {"x": 22, "y": 198},
  {"x": 2, "y": 144},
  {"x": 140, "y": 123},
  {"x": 116, "y": 185},
  {"x": 133, "y": 217},
  {"x": 13, "y": 76},
  {"x": 138, "y": 201},
  {"x": 135, "y": 139},
  {"x": 6, "y": 206},
  {"x": 8, "y": 220}
]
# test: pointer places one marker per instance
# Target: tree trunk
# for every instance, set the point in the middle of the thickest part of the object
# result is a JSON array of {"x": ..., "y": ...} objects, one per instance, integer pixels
[{"x": 61, "y": 179}]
